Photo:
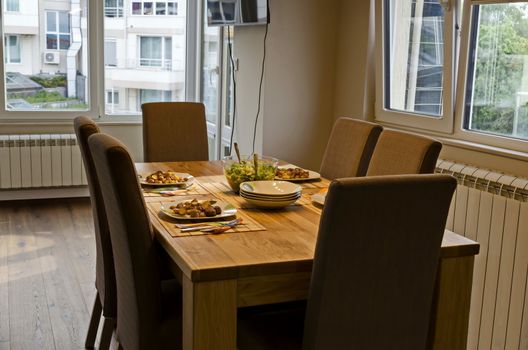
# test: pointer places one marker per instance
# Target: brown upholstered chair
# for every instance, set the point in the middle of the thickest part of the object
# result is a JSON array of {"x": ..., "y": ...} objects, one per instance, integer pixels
[
  {"x": 174, "y": 131},
  {"x": 374, "y": 269},
  {"x": 148, "y": 310},
  {"x": 399, "y": 152},
  {"x": 349, "y": 148},
  {"x": 105, "y": 284}
]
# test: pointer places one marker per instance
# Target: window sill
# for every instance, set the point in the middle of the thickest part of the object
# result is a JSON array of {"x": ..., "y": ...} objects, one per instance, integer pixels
[{"x": 464, "y": 144}]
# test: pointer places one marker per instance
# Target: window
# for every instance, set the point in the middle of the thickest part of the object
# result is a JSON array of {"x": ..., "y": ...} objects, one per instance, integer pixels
[
  {"x": 12, "y": 49},
  {"x": 155, "y": 52},
  {"x": 110, "y": 53},
  {"x": 496, "y": 100},
  {"x": 58, "y": 35},
  {"x": 416, "y": 83},
  {"x": 146, "y": 67},
  {"x": 112, "y": 97},
  {"x": 158, "y": 8},
  {"x": 416, "y": 69},
  {"x": 13, "y": 5},
  {"x": 39, "y": 77},
  {"x": 113, "y": 8}
]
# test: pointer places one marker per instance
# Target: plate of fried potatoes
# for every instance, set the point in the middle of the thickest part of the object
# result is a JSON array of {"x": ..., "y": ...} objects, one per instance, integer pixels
[
  {"x": 198, "y": 209},
  {"x": 293, "y": 173},
  {"x": 166, "y": 178}
]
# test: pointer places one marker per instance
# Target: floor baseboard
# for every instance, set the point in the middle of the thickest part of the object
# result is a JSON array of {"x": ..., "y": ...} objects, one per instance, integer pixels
[{"x": 45, "y": 193}]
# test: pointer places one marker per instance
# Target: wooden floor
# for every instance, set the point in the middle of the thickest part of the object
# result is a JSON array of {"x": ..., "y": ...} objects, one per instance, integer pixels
[{"x": 47, "y": 269}]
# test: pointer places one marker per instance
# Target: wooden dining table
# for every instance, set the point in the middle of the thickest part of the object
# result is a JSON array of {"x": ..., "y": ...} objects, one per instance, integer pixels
[{"x": 273, "y": 262}]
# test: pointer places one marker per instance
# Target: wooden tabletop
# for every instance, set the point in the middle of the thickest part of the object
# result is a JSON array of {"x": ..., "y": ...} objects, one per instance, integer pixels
[{"x": 287, "y": 245}]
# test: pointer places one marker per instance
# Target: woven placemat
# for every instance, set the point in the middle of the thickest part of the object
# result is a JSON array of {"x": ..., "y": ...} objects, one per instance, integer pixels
[{"x": 248, "y": 224}]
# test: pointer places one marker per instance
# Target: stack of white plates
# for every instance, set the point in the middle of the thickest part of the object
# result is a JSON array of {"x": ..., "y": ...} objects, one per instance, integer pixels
[{"x": 270, "y": 194}]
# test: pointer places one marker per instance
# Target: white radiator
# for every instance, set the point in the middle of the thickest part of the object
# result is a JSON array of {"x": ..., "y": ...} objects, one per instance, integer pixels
[
  {"x": 40, "y": 161},
  {"x": 492, "y": 208}
]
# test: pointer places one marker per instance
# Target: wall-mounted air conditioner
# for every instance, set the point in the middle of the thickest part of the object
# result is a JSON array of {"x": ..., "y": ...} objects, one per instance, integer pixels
[{"x": 51, "y": 57}]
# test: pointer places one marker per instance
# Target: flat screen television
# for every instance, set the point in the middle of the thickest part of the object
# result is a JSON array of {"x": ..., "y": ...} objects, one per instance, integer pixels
[{"x": 237, "y": 12}]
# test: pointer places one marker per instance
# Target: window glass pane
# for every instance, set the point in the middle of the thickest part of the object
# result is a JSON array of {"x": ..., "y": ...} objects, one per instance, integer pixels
[
  {"x": 51, "y": 42},
  {"x": 14, "y": 49},
  {"x": 147, "y": 8},
  {"x": 110, "y": 53},
  {"x": 414, "y": 50},
  {"x": 136, "y": 8},
  {"x": 210, "y": 72},
  {"x": 51, "y": 21},
  {"x": 147, "y": 68},
  {"x": 173, "y": 8},
  {"x": 64, "y": 22},
  {"x": 151, "y": 52},
  {"x": 13, "y": 5},
  {"x": 45, "y": 80},
  {"x": 161, "y": 8},
  {"x": 497, "y": 94},
  {"x": 168, "y": 48},
  {"x": 64, "y": 42}
]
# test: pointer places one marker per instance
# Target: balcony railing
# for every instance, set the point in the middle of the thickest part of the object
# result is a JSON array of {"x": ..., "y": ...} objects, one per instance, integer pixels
[
  {"x": 155, "y": 64},
  {"x": 113, "y": 12}
]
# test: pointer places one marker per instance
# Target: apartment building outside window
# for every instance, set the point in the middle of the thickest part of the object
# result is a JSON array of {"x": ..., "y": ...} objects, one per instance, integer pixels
[
  {"x": 58, "y": 35},
  {"x": 13, "y": 5},
  {"x": 112, "y": 97},
  {"x": 158, "y": 8},
  {"x": 12, "y": 49},
  {"x": 113, "y": 8}
]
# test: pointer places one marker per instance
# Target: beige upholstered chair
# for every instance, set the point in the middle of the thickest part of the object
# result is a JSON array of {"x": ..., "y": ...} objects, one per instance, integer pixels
[
  {"x": 174, "y": 131},
  {"x": 399, "y": 152},
  {"x": 148, "y": 310},
  {"x": 105, "y": 284},
  {"x": 374, "y": 269},
  {"x": 349, "y": 148}
]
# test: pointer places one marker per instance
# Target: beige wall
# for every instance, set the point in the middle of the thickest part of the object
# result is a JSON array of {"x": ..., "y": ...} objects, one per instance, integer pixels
[{"x": 298, "y": 95}]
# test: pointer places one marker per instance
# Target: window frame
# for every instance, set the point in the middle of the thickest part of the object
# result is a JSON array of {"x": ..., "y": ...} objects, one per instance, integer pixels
[
  {"x": 460, "y": 132},
  {"x": 96, "y": 72},
  {"x": 118, "y": 10},
  {"x": 154, "y": 7},
  {"x": 57, "y": 33},
  {"x": 7, "y": 58},
  {"x": 443, "y": 123},
  {"x": 450, "y": 129},
  {"x": 165, "y": 63}
]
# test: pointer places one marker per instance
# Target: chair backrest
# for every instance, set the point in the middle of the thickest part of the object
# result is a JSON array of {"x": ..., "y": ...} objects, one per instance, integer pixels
[
  {"x": 104, "y": 259},
  {"x": 135, "y": 259},
  {"x": 174, "y": 131},
  {"x": 375, "y": 262},
  {"x": 349, "y": 148},
  {"x": 399, "y": 152}
]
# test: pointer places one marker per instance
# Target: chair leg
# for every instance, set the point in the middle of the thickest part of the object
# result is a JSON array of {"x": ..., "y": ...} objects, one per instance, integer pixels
[
  {"x": 94, "y": 323},
  {"x": 106, "y": 335}
]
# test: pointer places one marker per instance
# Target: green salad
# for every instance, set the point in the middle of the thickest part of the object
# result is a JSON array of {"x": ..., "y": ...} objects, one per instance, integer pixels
[{"x": 236, "y": 173}]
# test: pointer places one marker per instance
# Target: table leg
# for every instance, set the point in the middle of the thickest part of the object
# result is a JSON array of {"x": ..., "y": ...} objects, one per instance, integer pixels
[
  {"x": 209, "y": 314},
  {"x": 452, "y": 299}
]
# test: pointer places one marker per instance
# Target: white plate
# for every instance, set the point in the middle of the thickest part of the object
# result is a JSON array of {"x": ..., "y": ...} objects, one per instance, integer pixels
[
  {"x": 190, "y": 181},
  {"x": 312, "y": 175},
  {"x": 270, "y": 188},
  {"x": 227, "y": 211},
  {"x": 269, "y": 204},
  {"x": 294, "y": 198},
  {"x": 264, "y": 196}
]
